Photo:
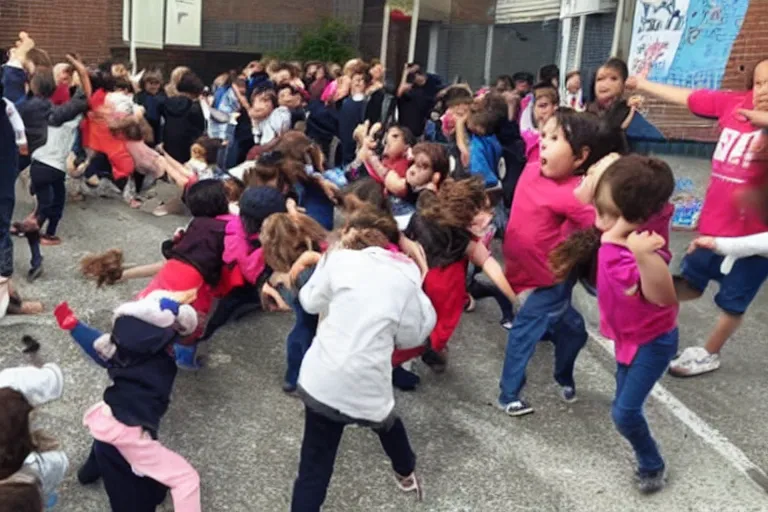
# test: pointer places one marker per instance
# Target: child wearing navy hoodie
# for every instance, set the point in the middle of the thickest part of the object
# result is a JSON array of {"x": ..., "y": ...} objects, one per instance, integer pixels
[{"x": 138, "y": 356}]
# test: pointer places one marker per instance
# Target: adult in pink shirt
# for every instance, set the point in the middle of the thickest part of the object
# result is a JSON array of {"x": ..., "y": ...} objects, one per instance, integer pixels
[
  {"x": 544, "y": 212},
  {"x": 739, "y": 164}
]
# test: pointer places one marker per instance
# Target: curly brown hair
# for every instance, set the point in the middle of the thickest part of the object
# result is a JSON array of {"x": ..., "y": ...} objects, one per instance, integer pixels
[
  {"x": 576, "y": 253},
  {"x": 20, "y": 497},
  {"x": 106, "y": 268},
  {"x": 456, "y": 203},
  {"x": 437, "y": 154},
  {"x": 284, "y": 238},
  {"x": 15, "y": 437},
  {"x": 301, "y": 150}
]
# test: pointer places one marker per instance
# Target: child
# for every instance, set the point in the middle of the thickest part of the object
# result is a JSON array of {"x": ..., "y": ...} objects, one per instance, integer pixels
[
  {"x": 182, "y": 116},
  {"x": 29, "y": 458},
  {"x": 608, "y": 91},
  {"x": 138, "y": 355},
  {"x": 636, "y": 297},
  {"x": 573, "y": 95},
  {"x": 429, "y": 168},
  {"x": 344, "y": 378},
  {"x": 398, "y": 141},
  {"x": 545, "y": 104},
  {"x": 352, "y": 114},
  {"x": 151, "y": 97},
  {"x": 738, "y": 165},
  {"x": 484, "y": 148},
  {"x": 269, "y": 121},
  {"x": 292, "y": 245},
  {"x": 544, "y": 213},
  {"x": 51, "y": 130}
]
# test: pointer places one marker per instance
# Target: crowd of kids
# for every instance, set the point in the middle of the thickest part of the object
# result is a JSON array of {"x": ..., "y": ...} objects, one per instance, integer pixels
[{"x": 318, "y": 188}]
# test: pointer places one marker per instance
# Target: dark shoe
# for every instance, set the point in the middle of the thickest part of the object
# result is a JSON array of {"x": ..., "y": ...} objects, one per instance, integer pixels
[
  {"x": 34, "y": 273},
  {"x": 507, "y": 323},
  {"x": 289, "y": 387},
  {"x": 568, "y": 394},
  {"x": 651, "y": 482},
  {"x": 404, "y": 380},
  {"x": 89, "y": 472},
  {"x": 436, "y": 361},
  {"x": 516, "y": 408}
]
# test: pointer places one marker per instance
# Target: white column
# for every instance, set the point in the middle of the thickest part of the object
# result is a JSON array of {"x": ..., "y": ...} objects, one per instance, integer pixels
[
  {"x": 488, "y": 56},
  {"x": 580, "y": 41},
  {"x": 414, "y": 30},
  {"x": 132, "y": 51},
  {"x": 385, "y": 35},
  {"x": 617, "y": 27},
  {"x": 434, "y": 40},
  {"x": 565, "y": 43}
]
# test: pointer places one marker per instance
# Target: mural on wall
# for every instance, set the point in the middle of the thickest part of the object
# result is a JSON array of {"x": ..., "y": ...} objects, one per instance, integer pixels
[{"x": 682, "y": 42}]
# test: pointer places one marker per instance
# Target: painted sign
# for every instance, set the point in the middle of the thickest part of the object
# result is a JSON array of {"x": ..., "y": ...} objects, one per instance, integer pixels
[
  {"x": 183, "y": 22},
  {"x": 657, "y": 32}
]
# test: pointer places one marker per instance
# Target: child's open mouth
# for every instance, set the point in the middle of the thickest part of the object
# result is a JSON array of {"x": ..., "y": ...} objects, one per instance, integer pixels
[{"x": 543, "y": 161}]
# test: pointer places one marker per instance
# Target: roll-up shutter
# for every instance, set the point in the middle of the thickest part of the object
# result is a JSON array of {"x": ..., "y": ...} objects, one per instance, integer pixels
[{"x": 522, "y": 11}]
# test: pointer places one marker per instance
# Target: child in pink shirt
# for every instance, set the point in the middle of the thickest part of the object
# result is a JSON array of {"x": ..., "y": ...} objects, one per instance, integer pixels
[
  {"x": 636, "y": 297},
  {"x": 739, "y": 163},
  {"x": 544, "y": 212}
]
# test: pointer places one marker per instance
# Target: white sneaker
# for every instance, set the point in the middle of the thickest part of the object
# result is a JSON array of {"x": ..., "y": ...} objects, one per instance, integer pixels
[
  {"x": 694, "y": 361},
  {"x": 5, "y": 295}
]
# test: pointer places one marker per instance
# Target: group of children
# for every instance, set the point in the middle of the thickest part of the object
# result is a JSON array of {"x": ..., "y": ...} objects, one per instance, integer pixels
[{"x": 554, "y": 181}]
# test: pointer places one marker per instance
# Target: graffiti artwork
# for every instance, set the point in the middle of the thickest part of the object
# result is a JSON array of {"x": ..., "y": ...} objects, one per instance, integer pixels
[{"x": 658, "y": 29}]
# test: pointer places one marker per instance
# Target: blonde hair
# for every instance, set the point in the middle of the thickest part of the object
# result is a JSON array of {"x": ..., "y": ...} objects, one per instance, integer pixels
[
  {"x": 284, "y": 238},
  {"x": 176, "y": 75}
]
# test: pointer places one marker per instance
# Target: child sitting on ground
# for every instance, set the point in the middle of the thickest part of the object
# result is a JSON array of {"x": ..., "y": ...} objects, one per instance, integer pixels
[{"x": 29, "y": 459}]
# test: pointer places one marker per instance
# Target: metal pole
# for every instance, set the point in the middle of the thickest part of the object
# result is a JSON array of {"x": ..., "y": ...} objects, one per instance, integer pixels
[
  {"x": 580, "y": 41},
  {"x": 488, "y": 56},
  {"x": 385, "y": 35},
  {"x": 414, "y": 30},
  {"x": 434, "y": 41},
  {"x": 132, "y": 51},
  {"x": 617, "y": 27},
  {"x": 564, "y": 46}
]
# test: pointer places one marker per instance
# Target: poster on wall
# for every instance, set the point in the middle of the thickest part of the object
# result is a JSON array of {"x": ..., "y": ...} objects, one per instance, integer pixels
[
  {"x": 685, "y": 42},
  {"x": 183, "y": 22},
  {"x": 147, "y": 15}
]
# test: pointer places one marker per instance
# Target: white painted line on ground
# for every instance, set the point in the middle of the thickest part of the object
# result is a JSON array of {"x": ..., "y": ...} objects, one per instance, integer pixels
[{"x": 701, "y": 428}]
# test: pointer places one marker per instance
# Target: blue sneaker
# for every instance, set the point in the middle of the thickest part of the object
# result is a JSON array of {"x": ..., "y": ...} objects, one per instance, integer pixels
[{"x": 186, "y": 357}]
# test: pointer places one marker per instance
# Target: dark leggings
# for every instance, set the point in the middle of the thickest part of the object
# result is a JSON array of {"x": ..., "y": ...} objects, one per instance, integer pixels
[{"x": 48, "y": 187}]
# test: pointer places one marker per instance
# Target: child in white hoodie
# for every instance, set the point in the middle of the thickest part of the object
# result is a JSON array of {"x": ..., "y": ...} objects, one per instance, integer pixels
[{"x": 345, "y": 376}]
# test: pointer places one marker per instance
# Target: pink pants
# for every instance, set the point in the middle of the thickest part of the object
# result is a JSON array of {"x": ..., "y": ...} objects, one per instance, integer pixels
[{"x": 147, "y": 457}]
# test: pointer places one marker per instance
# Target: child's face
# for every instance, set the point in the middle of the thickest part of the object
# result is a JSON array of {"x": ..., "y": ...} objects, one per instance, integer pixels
[
  {"x": 475, "y": 128},
  {"x": 460, "y": 110},
  {"x": 420, "y": 172},
  {"x": 119, "y": 70},
  {"x": 522, "y": 87},
  {"x": 261, "y": 108},
  {"x": 282, "y": 77},
  {"x": 609, "y": 85},
  {"x": 760, "y": 86},
  {"x": 543, "y": 110},
  {"x": 197, "y": 152},
  {"x": 377, "y": 72},
  {"x": 607, "y": 212},
  {"x": 557, "y": 158},
  {"x": 152, "y": 87},
  {"x": 394, "y": 144},
  {"x": 64, "y": 77},
  {"x": 358, "y": 84},
  {"x": 286, "y": 98},
  {"x": 573, "y": 84}
]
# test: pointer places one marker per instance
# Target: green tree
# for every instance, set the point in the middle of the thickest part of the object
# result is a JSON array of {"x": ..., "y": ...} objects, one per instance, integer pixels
[{"x": 330, "y": 41}]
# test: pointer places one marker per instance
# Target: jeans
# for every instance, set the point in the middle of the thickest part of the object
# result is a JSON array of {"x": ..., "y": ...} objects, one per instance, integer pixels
[
  {"x": 298, "y": 341},
  {"x": 232, "y": 305},
  {"x": 318, "y": 454},
  {"x": 51, "y": 193},
  {"x": 6, "y": 244},
  {"x": 634, "y": 383},
  {"x": 548, "y": 311}
]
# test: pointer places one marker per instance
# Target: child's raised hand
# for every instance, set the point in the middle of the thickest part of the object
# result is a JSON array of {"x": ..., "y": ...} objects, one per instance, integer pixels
[
  {"x": 703, "y": 242},
  {"x": 306, "y": 260},
  {"x": 635, "y": 101},
  {"x": 645, "y": 243},
  {"x": 294, "y": 210}
]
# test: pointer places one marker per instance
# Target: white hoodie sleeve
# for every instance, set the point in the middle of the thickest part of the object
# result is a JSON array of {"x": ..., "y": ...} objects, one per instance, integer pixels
[
  {"x": 315, "y": 295},
  {"x": 416, "y": 322},
  {"x": 743, "y": 246},
  {"x": 16, "y": 122}
]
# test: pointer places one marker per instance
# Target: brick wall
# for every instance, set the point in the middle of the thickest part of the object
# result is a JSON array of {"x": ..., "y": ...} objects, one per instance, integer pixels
[
  {"x": 750, "y": 46},
  {"x": 58, "y": 27}
]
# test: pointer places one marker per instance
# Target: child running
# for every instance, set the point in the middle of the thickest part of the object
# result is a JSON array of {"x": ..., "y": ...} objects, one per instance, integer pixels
[
  {"x": 544, "y": 213},
  {"x": 345, "y": 375}
]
